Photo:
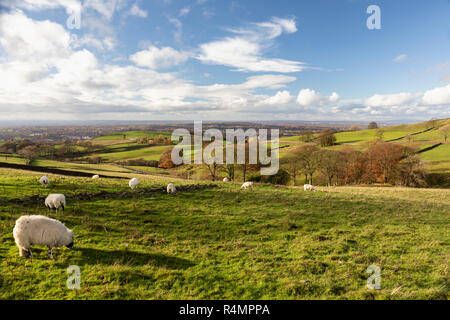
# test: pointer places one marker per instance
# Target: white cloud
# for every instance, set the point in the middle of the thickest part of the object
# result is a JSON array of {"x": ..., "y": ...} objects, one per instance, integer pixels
[
  {"x": 38, "y": 5},
  {"x": 400, "y": 58},
  {"x": 388, "y": 100},
  {"x": 157, "y": 58},
  {"x": 334, "y": 97},
  {"x": 106, "y": 8},
  {"x": 184, "y": 11},
  {"x": 138, "y": 12},
  {"x": 437, "y": 96},
  {"x": 47, "y": 73},
  {"x": 280, "y": 98},
  {"x": 178, "y": 33},
  {"x": 244, "y": 51},
  {"x": 42, "y": 40},
  {"x": 309, "y": 97}
]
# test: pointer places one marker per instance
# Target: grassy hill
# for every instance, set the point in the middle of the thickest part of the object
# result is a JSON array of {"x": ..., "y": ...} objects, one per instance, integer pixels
[
  {"x": 224, "y": 243},
  {"x": 417, "y": 136},
  {"x": 122, "y": 146}
]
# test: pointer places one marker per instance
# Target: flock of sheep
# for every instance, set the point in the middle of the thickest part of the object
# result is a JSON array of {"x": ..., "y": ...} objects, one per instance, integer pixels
[{"x": 41, "y": 230}]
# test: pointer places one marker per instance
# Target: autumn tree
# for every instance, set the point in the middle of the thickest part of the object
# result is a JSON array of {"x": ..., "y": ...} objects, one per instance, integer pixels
[
  {"x": 309, "y": 161},
  {"x": 326, "y": 138},
  {"x": 330, "y": 164},
  {"x": 382, "y": 160},
  {"x": 143, "y": 140},
  {"x": 292, "y": 165},
  {"x": 372, "y": 125},
  {"x": 410, "y": 172},
  {"x": 306, "y": 136},
  {"x": 352, "y": 166},
  {"x": 165, "y": 160},
  {"x": 29, "y": 153}
]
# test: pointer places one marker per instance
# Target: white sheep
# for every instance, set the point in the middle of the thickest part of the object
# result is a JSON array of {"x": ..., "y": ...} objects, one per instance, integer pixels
[
  {"x": 133, "y": 183},
  {"x": 247, "y": 185},
  {"x": 171, "y": 188},
  {"x": 309, "y": 187},
  {"x": 40, "y": 230},
  {"x": 55, "y": 201},
  {"x": 45, "y": 181},
  {"x": 226, "y": 179},
  {"x": 95, "y": 176}
]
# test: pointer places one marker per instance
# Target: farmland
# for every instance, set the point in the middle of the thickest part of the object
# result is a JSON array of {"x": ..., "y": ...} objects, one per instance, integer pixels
[
  {"x": 272, "y": 242},
  {"x": 224, "y": 243}
]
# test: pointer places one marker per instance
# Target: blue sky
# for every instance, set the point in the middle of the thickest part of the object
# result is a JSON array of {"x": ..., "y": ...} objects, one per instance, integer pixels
[{"x": 224, "y": 60}]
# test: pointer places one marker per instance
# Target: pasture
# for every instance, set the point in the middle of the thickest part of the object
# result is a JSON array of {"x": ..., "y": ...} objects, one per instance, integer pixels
[{"x": 225, "y": 243}]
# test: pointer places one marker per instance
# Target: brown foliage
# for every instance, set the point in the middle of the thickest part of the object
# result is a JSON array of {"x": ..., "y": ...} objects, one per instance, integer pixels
[{"x": 166, "y": 159}]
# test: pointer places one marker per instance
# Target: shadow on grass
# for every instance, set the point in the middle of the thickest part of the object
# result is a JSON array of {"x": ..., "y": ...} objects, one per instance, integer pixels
[{"x": 130, "y": 258}]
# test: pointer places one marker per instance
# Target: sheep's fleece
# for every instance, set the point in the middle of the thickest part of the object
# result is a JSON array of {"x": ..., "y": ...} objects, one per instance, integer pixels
[
  {"x": 171, "y": 188},
  {"x": 247, "y": 185},
  {"x": 40, "y": 230},
  {"x": 55, "y": 200}
]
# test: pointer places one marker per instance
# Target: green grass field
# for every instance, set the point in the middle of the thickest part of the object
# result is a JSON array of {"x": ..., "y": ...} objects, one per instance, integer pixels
[
  {"x": 150, "y": 153},
  {"x": 133, "y": 135},
  {"x": 270, "y": 243}
]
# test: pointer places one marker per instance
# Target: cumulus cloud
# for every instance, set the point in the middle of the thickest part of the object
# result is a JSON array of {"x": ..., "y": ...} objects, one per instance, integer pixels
[
  {"x": 156, "y": 58},
  {"x": 244, "y": 50},
  {"x": 46, "y": 71},
  {"x": 437, "y": 96},
  {"x": 280, "y": 98},
  {"x": 388, "y": 100},
  {"x": 309, "y": 97},
  {"x": 400, "y": 58}
]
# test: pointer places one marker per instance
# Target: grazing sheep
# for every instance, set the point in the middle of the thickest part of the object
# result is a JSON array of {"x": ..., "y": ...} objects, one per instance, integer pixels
[
  {"x": 40, "y": 230},
  {"x": 55, "y": 200},
  {"x": 226, "y": 179},
  {"x": 171, "y": 188},
  {"x": 95, "y": 176},
  {"x": 45, "y": 181},
  {"x": 133, "y": 183},
  {"x": 309, "y": 187},
  {"x": 247, "y": 185}
]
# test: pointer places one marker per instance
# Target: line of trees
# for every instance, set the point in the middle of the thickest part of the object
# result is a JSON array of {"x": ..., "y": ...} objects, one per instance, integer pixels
[{"x": 381, "y": 163}]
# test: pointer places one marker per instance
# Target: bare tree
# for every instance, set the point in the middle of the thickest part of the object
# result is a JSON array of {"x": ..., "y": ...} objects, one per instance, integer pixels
[
  {"x": 445, "y": 132},
  {"x": 309, "y": 161},
  {"x": 29, "y": 153},
  {"x": 330, "y": 164}
]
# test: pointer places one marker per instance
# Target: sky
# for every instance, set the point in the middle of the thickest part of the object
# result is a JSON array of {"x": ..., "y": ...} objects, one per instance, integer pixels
[{"x": 224, "y": 60}]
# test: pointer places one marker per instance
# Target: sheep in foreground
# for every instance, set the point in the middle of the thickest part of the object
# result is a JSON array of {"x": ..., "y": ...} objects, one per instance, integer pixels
[
  {"x": 309, "y": 187},
  {"x": 40, "y": 230},
  {"x": 247, "y": 185},
  {"x": 45, "y": 181},
  {"x": 55, "y": 201},
  {"x": 171, "y": 188},
  {"x": 133, "y": 183},
  {"x": 95, "y": 176},
  {"x": 226, "y": 179}
]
